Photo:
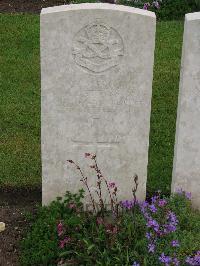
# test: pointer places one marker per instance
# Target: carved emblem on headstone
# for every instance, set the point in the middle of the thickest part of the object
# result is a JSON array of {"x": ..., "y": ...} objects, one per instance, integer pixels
[{"x": 97, "y": 47}]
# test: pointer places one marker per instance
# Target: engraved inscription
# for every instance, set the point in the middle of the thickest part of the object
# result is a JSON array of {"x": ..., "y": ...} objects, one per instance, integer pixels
[
  {"x": 102, "y": 125},
  {"x": 97, "y": 47}
]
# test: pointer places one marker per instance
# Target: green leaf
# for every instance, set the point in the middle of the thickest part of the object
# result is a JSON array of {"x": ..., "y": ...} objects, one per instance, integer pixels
[
  {"x": 91, "y": 247},
  {"x": 67, "y": 252}
]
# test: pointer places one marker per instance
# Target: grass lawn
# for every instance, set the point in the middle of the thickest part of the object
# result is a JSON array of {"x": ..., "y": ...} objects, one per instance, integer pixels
[
  {"x": 20, "y": 102},
  {"x": 164, "y": 104}
]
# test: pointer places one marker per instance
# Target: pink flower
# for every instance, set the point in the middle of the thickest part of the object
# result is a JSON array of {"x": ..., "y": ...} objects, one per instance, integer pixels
[
  {"x": 65, "y": 241},
  {"x": 60, "y": 229},
  {"x": 162, "y": 203},
  {"x": 111, "y": 184},
  {"x": 99, "y": 220},
  {"x": 90, "y": 155},
  {"x": 72, "y": 206},
  {"x": 111, "y": 229},
  {"x": 146, "y": 6}
]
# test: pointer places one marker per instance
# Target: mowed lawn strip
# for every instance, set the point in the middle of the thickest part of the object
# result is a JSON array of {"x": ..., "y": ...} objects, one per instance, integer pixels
[
  {"x": 20, "y": 159},
  {"x": 169, "y": 38},
  {"x": 20, "y": 101}
]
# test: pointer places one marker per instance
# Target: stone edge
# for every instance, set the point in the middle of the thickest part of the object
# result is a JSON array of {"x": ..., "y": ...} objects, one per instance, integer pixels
[
  {"x": 105, "y": 6},
  {"x": 192, "y": 16}
]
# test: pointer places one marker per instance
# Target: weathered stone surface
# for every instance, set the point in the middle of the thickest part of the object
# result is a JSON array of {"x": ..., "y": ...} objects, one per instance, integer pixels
[
  {"x": 186, "y": 172},
  {"x": 96, "y": 71}
]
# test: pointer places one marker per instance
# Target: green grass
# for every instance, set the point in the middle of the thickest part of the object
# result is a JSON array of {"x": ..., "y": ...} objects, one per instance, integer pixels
[
  {"x": 20, "y": 102},
  {"x": 164, "y": 104}
]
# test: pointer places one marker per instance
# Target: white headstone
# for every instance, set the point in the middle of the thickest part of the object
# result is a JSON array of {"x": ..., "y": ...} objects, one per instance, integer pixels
[
  {"x": 186, "y": 171},
  {"x": 96, "y": 71}
]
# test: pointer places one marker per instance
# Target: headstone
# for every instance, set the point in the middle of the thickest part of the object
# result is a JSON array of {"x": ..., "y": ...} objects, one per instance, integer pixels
[
  {"x": 96, "y": 71},
  {"x": 186, "y": 171}
]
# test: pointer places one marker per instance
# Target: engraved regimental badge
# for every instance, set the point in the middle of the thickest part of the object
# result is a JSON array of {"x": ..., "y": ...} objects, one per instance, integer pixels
[{"x": 97, "y": 47}]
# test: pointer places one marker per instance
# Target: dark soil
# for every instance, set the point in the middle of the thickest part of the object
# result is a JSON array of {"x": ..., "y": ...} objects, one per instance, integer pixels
[
  {"x": 31, "y": 6},
  {"x": 14, "y": 205},
  {"x": 28, "y": 6}
]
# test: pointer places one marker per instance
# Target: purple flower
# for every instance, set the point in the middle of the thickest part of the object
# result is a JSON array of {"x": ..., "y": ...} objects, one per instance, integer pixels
[
  {"x": 188, "y": 195},
  {"x": 171, "y": 216},
  {"x": 176, "y": 262},
  {"x": 179, "y": 191},
  {"x": 147, "y": 216},
  {"x": 146, "y": 6},
  {"x": 168, "y": 228},
  {"x": 195, "y": 260},
  {"x": 156, "y": 4},
  {"x": 143, "y": 204},
  {"x": 162, "y": 203},
  {"x": 151, "y": 248},
  {"x": 153, "y": 224},
  {"x": 135, "y": 264},
  {"x": 172, "y": 222},
  {"x": 153, "y": 208},
  {"x": 148, "y": 235},
  {"x": 175, "y": 243},
  {"x": 127, "y": 204},
  {"x": 154, "y": 199},
  {"x": 143, "y": 208},
  {"x": 165, "y": 259}
]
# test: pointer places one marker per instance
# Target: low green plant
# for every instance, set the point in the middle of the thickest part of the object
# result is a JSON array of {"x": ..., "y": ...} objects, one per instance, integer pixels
[
  {"x": 40, "y": 247},
  {"x": 176, "y": 9},
  {"x": 64, "y": 234},
  {"x": 165, "y": 9},
  {"x": 197, "y": 4},
  {"x": 160, "y": 231}
]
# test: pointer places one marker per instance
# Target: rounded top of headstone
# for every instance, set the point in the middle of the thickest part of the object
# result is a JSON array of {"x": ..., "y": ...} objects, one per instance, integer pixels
[
  {"x": 105, "y": 6},
  {"x": 192, "y": 16}
]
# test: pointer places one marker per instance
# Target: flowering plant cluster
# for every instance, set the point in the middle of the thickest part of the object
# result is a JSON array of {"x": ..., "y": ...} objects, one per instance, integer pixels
[
  {"x": 193, "y": 260},
  {"x": 110, "y": 186},
  {"x": 153, "y": 4},
  {"x": 161, "y": 227},
  {"x": 156, "y": 232},
  {"x": 161, "y": 223},
  {"x": 160, "y": 232},
  {"x": 150, "y": 5},
  {"x": 164, "y": 9}
]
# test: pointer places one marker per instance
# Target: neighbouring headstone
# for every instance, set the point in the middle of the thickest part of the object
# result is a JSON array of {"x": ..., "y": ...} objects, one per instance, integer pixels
[
  {"x": 186, "y": 171},
  {"x": 96, "y": 72}
]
